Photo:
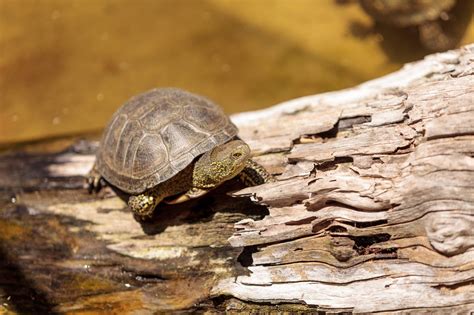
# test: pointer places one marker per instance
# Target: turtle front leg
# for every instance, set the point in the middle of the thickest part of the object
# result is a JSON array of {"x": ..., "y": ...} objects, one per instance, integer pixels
[
  {"x": 94, "y": 180},
  {"x": 254, "y": 174},
  {"x": 144, "y": 204}
]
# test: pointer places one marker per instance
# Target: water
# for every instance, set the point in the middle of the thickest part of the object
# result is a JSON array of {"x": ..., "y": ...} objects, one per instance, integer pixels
[{"x": 65, "y": 66}]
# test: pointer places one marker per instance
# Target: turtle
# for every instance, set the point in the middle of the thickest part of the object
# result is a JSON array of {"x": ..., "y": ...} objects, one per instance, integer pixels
[
  {"x": 170, "y": 145},
  {"x": 426, "y": 15}
]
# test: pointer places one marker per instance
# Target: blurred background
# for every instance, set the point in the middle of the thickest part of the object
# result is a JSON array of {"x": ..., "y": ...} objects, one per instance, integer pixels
[{"x": 65, "y": 66}]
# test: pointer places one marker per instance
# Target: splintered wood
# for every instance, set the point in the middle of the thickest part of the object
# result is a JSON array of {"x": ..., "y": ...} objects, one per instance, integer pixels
[
  {"x": 384, "y": 218},
  {"x": 372, "y": 211}
]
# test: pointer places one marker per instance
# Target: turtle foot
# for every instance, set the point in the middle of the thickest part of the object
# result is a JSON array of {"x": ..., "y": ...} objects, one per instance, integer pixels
[
  {"x": 94, "y": 181},
  {"x": 142, "y": 205}
]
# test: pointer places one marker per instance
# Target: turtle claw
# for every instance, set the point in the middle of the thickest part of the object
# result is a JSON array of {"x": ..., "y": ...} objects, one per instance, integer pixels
[{"x": 95, "y": 182}]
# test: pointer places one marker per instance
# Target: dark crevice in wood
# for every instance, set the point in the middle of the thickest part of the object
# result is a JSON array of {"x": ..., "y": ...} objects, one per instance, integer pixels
[
  {"x": 144, "y": 274},
  {"x": 366, "y": 224},
  {"x": 331, "y": 133},
  {"x": 363, "y": 244},
  {"x": 377, "y": 160},
  {"x": 348, "y": 123},
  {"x": 336, "y": 229},
  {"x": 331, "y": 165},
  {"x": 404, "y": 149},
  {"x": 344, "y": 124},
  {"x": 454, "y": 286},
  {"x": 320, "y": 226},
  {"x": 245, "y": 258},
  {"x": 365, "y": 241},
  {"x": 149, "y": 278},
  {"x": 383, "y": 253}
]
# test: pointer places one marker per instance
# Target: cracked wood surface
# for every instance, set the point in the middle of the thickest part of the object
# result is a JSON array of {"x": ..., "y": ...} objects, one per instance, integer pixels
[{"x": 373, "y": 211}]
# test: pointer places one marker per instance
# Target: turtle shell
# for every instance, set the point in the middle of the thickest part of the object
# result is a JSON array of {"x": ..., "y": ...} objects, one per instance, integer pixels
[{"x": 156, "y": 134}]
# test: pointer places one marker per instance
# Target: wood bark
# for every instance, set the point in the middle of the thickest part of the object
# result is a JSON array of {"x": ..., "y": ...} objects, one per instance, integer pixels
[{"x": 372, "y": 211}]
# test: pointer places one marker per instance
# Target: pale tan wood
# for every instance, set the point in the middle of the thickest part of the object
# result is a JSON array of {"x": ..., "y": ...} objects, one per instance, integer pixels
[{"x": 388, "y": 209}]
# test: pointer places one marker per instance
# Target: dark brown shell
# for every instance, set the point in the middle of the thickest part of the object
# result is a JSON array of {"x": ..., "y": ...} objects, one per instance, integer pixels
[{"x": 156, "y": 134}]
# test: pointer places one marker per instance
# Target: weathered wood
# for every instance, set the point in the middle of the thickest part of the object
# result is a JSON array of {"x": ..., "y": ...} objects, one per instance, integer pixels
[{"x": 373, "y": 211}]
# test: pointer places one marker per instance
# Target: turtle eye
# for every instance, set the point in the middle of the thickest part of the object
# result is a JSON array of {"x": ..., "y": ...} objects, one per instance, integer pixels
[{"x": 236, "y": 155}]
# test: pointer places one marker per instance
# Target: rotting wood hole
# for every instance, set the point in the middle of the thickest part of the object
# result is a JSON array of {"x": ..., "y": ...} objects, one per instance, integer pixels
[
  {"x": 363, "y": 242},
  {"x": 331, "y": 133},
  {"x": 245, "y": 258}
]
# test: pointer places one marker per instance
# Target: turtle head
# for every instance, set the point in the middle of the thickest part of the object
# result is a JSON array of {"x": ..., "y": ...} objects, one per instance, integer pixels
[{"x": 220, "y": 164}]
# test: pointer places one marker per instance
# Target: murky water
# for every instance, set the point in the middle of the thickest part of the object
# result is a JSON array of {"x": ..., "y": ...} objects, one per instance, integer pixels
[{"x": 65, "y": 66}]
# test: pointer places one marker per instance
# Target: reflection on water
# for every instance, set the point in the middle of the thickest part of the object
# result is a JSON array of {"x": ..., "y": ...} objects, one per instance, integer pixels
[
  {"x": 65, "y": 66},
  {"x": 438, "y": 25}
]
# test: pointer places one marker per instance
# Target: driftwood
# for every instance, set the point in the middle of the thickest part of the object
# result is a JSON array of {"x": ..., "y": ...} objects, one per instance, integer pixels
[{"x": 372, "y": 212}]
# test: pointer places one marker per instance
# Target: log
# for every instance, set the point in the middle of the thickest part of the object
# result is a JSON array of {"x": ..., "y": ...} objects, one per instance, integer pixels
[{"x": 372, "y": 211}]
